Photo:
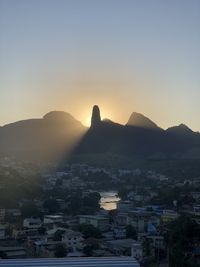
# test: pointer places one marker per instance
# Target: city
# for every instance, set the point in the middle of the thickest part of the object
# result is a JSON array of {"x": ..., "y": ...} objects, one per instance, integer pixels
[
  {"x": 87, "y": 211},
  {"x": 99, "y": 133}
]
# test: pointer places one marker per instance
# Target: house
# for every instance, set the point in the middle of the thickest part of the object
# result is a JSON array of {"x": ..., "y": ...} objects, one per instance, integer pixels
[
  {"x": 157, "y": 241},
  {"x": 13, "y": 212},
  {"x": 51, "y": 219},
  {"x": 138, "y": 219},
  {"x": 138, "y": 197},
  {"x": 124, "y": 206},
  {"x": 100, "y": 222},
  {"x": 120, "y": 247},
  {"x": 24, "y": 233},
  {"x": 13, "y": 252},
  {"x": 2, "y": 215},
  {"x": 33, "y": 223},
  {"x": 78, "y": 262},
  {"x": 196, "y": 195},
  {"x": 137, "y": 251},
  {"x": 196, "y": 210},
  {"x": 169, "y": 215},
  {"x": 72, "y": 239},
  {"x": 119, "y": 232},
  {"x": 2, "y": 231}
]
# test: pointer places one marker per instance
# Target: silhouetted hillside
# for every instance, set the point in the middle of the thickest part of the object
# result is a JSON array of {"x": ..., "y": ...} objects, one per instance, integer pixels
[
  {"x": 139, "y": 120},
  {"x": 45, "y": 138},
  {"x": 140, "y": 138},
  {"x": 58, "y": 135}
]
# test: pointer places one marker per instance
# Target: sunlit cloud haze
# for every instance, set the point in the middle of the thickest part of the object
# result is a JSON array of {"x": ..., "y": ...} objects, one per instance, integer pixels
[{"x": 123, "y": 55}]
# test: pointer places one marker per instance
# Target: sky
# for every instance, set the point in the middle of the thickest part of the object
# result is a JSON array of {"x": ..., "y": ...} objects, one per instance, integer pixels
[{"x": 123, "y": 55}]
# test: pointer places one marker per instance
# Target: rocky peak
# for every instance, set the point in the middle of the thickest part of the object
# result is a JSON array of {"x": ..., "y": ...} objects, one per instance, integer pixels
[
  {"x": 96, "y": 117},
  {"x": 139, "y": 120}
]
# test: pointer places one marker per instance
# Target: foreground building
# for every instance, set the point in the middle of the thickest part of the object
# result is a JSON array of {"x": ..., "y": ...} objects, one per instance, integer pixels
[{"x": 68, "y": 262}]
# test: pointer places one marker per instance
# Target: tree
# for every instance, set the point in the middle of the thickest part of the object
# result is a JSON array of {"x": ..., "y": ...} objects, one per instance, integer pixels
[
  {"x": 91, "y": 244},
  {"x": 3, "y": 255},
  {"x": 42, "y": 230},
  {"x": 88, "y": 250},
  {"x": 92, "y": 200},
  {"x": 60, "y": 251},
  {"x": 183, "y": 234},
  {"x": 122, "y": 193},
  {"x": 146, "y": 246},
  {"x": 51, "y": 205},
  {"x": 88, "y": 230},
  {"x": 58, "y": 235},
  {"x": 29, "y": 209},
  {"x": 131, "y": 232}
]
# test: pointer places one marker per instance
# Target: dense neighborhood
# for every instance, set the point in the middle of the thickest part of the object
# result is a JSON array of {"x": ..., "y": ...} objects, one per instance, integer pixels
[{"x": 80, "y": 210}]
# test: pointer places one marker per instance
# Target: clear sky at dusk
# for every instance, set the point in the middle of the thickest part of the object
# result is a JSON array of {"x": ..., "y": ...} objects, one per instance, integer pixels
[{"x": 124, "y": 55}]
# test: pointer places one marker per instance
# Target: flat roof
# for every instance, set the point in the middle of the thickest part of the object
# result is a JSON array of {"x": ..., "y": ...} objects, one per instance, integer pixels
[
  {"x": 73, "y": 262},
  {"x": 98, "y": 217}
]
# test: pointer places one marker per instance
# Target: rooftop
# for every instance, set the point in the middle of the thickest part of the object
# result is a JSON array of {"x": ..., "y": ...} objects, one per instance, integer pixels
[{"x": 70, "y": 262}]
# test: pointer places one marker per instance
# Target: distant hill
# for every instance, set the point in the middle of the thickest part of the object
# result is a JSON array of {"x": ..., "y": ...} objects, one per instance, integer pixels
[
  {"x": 181, "y": 129},
  {"x": 58, "y": 134},
  {"x": 139, "y": 120},
  {"x": 42, "y": 139},
  {"x": 140, "y": 138}
]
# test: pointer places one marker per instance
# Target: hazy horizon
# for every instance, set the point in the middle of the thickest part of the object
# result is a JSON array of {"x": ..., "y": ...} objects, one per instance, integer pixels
[{"x": 125, "y": 56}]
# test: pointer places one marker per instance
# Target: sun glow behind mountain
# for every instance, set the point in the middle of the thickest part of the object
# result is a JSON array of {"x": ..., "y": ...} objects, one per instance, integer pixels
[
  {"x": 104, "y": 115},
  {"x": 68, "y": 55},
  {"x": 87, "y": 121}
]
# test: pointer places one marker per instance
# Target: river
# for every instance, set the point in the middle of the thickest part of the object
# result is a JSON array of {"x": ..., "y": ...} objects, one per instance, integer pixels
[{"x": 109, "y": 200}]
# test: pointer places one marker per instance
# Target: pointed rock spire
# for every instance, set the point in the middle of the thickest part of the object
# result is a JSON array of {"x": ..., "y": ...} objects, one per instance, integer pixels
[{"x": 96, "y": 117}]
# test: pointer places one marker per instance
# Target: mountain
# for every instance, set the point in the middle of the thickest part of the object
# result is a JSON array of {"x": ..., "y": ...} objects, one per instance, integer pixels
[
  {"x": 180, "y": 129},
  {"x": 58, "y": 135},
  {"x": 96, "y": 117},
  {"x": 43, "y": 139},
  {"x": 139, "y": 138},
  {"x": 139, "y": 120}
]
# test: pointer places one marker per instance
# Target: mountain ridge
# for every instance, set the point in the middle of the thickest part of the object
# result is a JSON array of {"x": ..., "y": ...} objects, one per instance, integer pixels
[
  {"x": 58, "y": 132},
  {"x": 139, "y": 120}
]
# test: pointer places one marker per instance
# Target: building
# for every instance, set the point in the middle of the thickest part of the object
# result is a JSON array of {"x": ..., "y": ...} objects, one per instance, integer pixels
[
  {"x": 124, "y": 206},
  {"x": 169, "y": 215},
  {"x": 122, "y": 219},
  {"x": 2, "y": 231},
  {"x": 32, "y": 223},
  {"x": 196, "y": 195},
  {"x": 51, "y": 219},
  {"x": 78, "y": 262},
  {"x": 156, "y": 241},
  {"x": 137, "y": 251},
  {"x": 100, "y": 222},
  {"x": 72, "y": 239},
  {"x": 2, "y": 215},
  {"x": 120, "y": 246},
  {"x": 13, "y": 253},
  {"x": 138, "y": 219}
]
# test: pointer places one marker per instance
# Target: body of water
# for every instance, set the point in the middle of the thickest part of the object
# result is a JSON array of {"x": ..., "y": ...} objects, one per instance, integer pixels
[{"x": 109, "y": 200}]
